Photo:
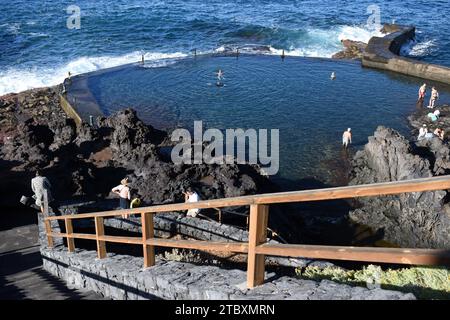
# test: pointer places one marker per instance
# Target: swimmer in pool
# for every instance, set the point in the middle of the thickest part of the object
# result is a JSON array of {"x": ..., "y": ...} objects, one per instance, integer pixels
[
  {"x": 219, "y": 75},
  {"x": 219, "y": 78}
]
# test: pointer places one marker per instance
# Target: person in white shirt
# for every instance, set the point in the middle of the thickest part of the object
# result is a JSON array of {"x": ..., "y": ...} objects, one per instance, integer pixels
[
  {"x": 434, "y": 97},
  {"x": 124, "y": 194},
  {"x": 422, "y": 132},
  {"x": 191, "y": 196}
]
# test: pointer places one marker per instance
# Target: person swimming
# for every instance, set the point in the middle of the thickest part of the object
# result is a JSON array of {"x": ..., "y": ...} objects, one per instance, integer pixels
[
  {"x": 219, "y": 74},
  {"x": 333, "y": 76}
]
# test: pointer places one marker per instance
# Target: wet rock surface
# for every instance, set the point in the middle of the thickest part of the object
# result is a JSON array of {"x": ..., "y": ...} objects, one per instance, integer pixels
[
  {"x": 352, "y": 50},
  {"x": 409, "y": 220}
]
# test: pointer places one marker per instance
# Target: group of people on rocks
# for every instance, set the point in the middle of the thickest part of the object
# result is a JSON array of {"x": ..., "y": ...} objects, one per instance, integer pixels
[
  {"x": 424, "y": 132},
  {"x": 433, "y": 98},
  {"x": 124, "y": 192},
  {"x": 41, "y": 187}
]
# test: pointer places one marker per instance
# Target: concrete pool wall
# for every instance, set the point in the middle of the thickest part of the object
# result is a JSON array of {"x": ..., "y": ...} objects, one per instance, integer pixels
[{"x": 382, "y": 53}]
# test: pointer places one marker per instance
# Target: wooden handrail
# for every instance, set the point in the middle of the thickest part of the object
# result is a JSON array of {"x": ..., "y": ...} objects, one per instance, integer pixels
[
  {"x": 257, "y": 247},
  {"x": 366, "y": 190}
]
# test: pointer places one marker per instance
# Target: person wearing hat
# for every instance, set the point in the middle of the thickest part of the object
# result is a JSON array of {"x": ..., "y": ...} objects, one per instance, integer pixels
[
  {"x": 347, "y": 137},
  {"x": 124, "y": 193}
]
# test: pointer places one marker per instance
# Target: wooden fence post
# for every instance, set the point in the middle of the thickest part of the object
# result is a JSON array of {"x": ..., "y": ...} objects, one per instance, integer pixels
[
  {"x": 147, "y": 233},
  {"x": 48, "y": 231},
  {"x": 257, "y": 235},
  {"x": 69, "y": 232},
  {"x": 99, "y": 232}
]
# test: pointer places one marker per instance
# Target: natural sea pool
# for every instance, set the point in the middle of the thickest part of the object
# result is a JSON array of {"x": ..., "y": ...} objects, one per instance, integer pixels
[{"x": 294, "y": 95}]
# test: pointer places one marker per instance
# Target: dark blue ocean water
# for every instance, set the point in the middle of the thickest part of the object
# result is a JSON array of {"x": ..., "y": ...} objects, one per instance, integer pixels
[{"x": 37, "y": 49}]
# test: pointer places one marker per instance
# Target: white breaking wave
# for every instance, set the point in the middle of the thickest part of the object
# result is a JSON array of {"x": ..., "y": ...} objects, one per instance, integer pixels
[
  {"x": 418, "y": 49},
  {"x": 317, "y": 43},
  {"x": 17, "y": 80},
  {"x": 357, "y": 33},
  {"x": 12, "y": 28},
  {"x": 325, "y": 43}
]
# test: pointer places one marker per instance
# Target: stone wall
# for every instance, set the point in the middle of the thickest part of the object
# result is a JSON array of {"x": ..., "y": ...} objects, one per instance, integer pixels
[
  {"x": 170, "y": 224},
  {"x": 123, "y": 277},
  {"x": 382, "y": 53}
]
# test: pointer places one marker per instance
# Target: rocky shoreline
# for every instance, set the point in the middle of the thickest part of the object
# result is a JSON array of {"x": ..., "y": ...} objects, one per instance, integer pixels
[
  {"x": 86, "y": 162},
  {"x": 354, "y": 50},
  {"x": 417, "y": 220}
]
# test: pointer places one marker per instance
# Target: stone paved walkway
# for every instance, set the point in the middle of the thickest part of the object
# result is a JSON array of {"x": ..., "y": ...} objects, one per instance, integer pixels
[{"x": 21, "y": 272}]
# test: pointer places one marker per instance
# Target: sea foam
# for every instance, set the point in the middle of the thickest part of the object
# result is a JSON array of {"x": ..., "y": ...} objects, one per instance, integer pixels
[
  {"x": 416, "y": 48},
  {"x": 20, "y": 79}
]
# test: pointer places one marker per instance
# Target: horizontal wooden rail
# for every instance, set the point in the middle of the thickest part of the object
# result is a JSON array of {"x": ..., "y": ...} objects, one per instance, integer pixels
[
  {"x": 367, "y": 254},
  {"x": 366, "y": 190},
  {"x": 257, "y": 247},
  {"x": 238, "y": 247}
]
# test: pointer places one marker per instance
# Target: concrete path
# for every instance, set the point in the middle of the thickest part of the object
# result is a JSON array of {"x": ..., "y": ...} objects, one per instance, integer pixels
[{"x": 21, "y": 272}]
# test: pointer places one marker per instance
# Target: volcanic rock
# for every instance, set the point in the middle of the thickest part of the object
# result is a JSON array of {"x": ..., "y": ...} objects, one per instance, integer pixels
[{"x": 411, "y": 219}]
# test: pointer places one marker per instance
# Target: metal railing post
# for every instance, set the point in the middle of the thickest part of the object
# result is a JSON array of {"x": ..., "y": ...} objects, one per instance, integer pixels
[
  {"x": 257, "y": 235},
  {"x": 148, "y": 233}
]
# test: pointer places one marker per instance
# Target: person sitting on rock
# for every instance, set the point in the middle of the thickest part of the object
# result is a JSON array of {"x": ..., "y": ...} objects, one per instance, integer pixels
[
  {"x": 422, "y": 132},
  {"x": 191, "y": 196},
  {"x": 439, "y": 133},
  {"x": 41, "y": 186},
  {"x": 422, "y": 92},
  {"x": 123, "y": 190},
  {"x": 434, "y": 116},
  {"x": 434, "y": 97},
  {"x": 347, "y": 138}
]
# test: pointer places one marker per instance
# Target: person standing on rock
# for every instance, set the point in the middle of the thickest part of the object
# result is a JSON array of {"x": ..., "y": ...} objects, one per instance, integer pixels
[
  {"x": 191, "y": 196},
  {"x": 347, "y": 138},
  {"x": 41, "y": 185},
  {"x": 422, "y": 92},
  {"x": 434, "y": 97},
  {"x": 123, "y": 190}
]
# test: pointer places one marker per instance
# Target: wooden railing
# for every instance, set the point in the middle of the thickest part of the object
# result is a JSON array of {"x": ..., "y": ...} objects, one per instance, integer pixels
[{"x": 257, "y": 248}]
